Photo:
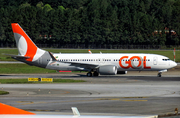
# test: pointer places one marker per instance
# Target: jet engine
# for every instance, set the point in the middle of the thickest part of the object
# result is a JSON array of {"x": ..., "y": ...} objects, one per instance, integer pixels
[{"x": 108, "y": 70}]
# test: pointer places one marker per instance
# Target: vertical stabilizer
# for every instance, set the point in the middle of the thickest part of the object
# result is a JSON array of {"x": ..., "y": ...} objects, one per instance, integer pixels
[{"x": 25, "y": 45}]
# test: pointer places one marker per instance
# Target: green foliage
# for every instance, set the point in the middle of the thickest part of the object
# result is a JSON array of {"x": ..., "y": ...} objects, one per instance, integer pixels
[
  {"x": 47, "y": 7},
  {"x": 95, "y": 22},
  {"x": 40, "y": 5},
  {"x": 24, "y": 5},
  {"x": 61, "y": 8}
]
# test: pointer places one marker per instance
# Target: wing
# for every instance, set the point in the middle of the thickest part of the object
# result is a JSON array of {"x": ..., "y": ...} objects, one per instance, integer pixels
[
  {"x": 76, "y": 64},
  {"x": 82, "y": 65}
]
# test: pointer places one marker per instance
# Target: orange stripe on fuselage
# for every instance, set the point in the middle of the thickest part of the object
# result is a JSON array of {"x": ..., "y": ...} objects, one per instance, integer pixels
[
  {"x": 31, "y": 47},
  {"x": 6, "y": 109}
]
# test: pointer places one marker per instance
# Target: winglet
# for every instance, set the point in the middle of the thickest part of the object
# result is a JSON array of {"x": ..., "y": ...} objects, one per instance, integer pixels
[
  {"x": 89, "y": 51},
  {"x": 6, "y": 109},
  {"x": 75, "y": 111}
]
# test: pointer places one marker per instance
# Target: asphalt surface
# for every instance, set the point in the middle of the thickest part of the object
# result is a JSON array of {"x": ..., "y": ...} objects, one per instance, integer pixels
[{"x": 131, "y": 94}]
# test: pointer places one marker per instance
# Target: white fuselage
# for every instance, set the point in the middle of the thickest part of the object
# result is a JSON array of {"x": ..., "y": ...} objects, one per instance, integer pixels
[{"x": 123, "y": 61}]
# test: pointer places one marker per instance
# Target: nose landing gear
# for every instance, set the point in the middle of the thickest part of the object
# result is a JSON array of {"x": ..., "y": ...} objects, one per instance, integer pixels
[{"x": 159, "y": 74}]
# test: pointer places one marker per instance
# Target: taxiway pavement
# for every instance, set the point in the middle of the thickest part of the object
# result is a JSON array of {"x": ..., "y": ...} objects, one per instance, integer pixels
[{"x": 134, "y": 93}]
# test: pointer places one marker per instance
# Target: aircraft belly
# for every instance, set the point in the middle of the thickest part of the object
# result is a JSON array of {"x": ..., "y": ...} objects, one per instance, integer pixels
[{"x": 129, "y": 69}]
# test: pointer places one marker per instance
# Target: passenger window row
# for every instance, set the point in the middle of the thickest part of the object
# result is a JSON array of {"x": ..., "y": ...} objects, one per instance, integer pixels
[
  {"x": 78, "y": 60},
  {"x": 102, "y": 60},
  {"x": 131, "y": 60}
]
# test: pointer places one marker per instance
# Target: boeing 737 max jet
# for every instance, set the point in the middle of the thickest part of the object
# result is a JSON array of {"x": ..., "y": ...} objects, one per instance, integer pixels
[{"x": 104, "y": 64}]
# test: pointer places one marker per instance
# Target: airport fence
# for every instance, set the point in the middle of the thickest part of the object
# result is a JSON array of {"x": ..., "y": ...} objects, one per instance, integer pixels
[{"x": 93, "y": 46}]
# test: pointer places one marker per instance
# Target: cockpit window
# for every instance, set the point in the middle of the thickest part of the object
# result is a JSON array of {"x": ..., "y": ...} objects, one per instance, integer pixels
[{"x": 165, "y": 59}]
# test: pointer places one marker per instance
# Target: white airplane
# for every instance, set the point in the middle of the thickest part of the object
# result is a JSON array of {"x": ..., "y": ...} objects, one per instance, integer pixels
[
  {"x": 99, "y": 63},
  {"x": 12, "y": 112}
]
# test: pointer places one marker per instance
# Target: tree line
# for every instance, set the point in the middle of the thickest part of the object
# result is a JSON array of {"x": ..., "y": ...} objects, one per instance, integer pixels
[{"x": 94, "y": 22}]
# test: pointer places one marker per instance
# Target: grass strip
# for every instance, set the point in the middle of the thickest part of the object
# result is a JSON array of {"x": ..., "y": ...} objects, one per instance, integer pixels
[
  {"x": 22, "y": 69},
  {"x": 3, "y": 92},
  {"x": 25, "y": 81},
  {"x": 26, "y": 69},
  {"x": 168, "y": 53}
]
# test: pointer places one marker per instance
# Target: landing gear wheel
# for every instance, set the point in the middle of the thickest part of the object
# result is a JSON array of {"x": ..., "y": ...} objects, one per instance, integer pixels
[
  {"x": 89, "y": 74},
  {"x": 159, "y": 75},
  {"x": 95, "y": 74}
]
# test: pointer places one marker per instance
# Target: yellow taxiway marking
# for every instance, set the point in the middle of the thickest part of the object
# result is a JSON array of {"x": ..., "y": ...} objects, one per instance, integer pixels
[
  {"x": 134, "y": 97},
  {"x": 29, "y": 102},
  {"x": 134, "y": 100},
  {"x": 98, "y": 99},
  {"x": 107, "y": 99},
  {"x": 25, "y": 102},
  {"x": 118, "y": 99}
]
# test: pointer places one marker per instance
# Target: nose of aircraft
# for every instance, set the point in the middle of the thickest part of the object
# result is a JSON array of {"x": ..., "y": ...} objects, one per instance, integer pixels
[{"x": 173, "y": 64}]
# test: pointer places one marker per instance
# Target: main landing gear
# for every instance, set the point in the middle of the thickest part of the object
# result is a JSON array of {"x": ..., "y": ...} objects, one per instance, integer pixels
[
  {"x": 95, "y": 74},
  {"x": 89, "y": 74}
]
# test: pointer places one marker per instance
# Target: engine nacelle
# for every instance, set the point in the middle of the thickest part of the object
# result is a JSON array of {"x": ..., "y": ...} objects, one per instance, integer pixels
[
  {"x": 121, "y": 72},
  {"x": 108, "y": 70}
]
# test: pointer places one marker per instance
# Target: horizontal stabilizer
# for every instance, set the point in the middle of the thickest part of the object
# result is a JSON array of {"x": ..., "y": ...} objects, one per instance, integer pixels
[{"x": 17, "y": 56}]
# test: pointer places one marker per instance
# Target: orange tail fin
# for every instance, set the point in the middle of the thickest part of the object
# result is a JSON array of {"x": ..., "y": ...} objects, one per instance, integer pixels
[{"x": 25, "y": 45}]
